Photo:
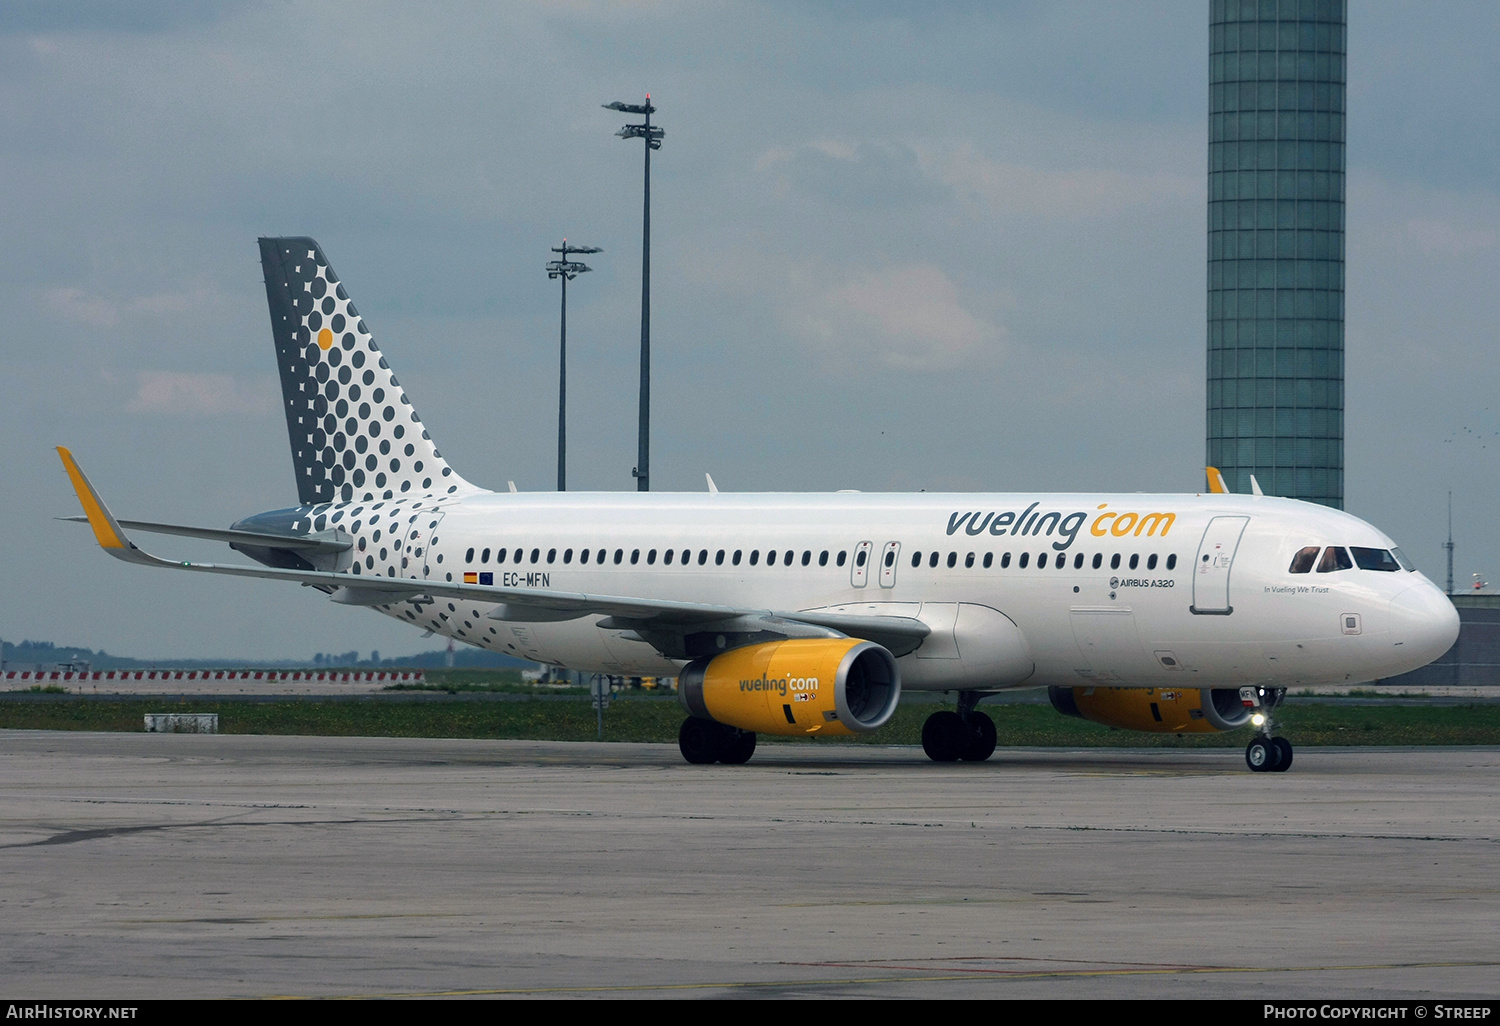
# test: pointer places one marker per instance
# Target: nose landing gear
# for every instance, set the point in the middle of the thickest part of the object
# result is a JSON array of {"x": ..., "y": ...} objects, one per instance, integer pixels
[
  {"x": 967, "y": 734},
  {"x": 1266, "y": 754}
]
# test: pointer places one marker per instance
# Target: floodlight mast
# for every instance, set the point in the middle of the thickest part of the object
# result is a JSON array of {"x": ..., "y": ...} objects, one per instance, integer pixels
[
  {"x": 653, "y": 136},
  {"x": 566, "y": 270}
]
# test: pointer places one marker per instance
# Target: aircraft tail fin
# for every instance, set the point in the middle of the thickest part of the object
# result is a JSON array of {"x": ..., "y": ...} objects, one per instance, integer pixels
[{"x": 354, "y": 434}]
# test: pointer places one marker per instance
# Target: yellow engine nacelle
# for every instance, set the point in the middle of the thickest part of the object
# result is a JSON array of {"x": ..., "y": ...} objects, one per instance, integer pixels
[
  {"x": 1155, "y": 710},
  {"x": 798, "y": 687}
]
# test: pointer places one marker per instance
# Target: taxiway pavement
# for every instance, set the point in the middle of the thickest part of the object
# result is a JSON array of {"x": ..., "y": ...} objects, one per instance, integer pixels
[{"x": 178, "y": 865}]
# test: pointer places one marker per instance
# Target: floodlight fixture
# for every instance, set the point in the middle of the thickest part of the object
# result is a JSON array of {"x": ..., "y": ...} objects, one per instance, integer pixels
[
  {"x": 653, "y": 136},
  {"x": 565, "y": 270}
]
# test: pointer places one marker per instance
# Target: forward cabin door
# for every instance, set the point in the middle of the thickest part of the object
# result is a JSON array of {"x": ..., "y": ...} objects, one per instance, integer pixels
[{"x": 1212, "y": 568}]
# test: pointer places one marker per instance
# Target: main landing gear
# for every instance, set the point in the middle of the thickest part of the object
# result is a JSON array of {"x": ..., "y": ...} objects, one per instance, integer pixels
[
  {"x": 967, "y": 734},
  {"x": 704, "y": 741},
  {"x": 1266, "y": 754}
]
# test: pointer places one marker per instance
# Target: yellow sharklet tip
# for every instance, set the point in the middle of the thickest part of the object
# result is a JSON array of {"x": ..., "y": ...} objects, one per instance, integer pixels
[{"x": 105, "y": 532}]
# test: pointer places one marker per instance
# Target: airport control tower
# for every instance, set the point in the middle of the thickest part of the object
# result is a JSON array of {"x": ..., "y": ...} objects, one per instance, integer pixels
[{"x": 1276, "y": 246}]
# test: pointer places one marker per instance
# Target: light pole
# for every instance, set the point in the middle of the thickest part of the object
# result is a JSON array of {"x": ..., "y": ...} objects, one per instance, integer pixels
[
  {"x": 567, "y": 270},
  {"x": 653, "y": 136}
]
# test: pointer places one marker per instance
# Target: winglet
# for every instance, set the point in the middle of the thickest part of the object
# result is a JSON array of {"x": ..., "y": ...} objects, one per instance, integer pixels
[
  {"x": 1255, "y": 486},
  {"x": 712, "y": 488},
  {"x": 106, "y": 531},
  {"x": 1216, "y": 483}
]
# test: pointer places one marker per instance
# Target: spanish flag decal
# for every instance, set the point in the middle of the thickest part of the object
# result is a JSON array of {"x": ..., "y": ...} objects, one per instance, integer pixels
[{"x": 471, "y": 578}]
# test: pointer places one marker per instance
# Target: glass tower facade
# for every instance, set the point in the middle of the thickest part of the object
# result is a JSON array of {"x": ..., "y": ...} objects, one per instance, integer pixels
[{"x": 1276, "y": 246}]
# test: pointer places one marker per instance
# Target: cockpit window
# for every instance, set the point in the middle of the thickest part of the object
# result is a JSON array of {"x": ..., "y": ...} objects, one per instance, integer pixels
[
  {"x": 1303, "y": 561},
  {"x": 1403, "y": 561},
  {"x": 1374, "y": 559},
  {"x": 1334, "y": 558}
]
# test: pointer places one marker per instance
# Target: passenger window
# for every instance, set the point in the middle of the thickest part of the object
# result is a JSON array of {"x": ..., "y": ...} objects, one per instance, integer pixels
[
  {"x": 806, "y": 557},
  {"x": 1374, "y": 559},
  {"x": 635, "y": 556},
  {"x": 989, "y": 559},
  {"x": 890, "y": 558},
  {"x": 666, "y": 558},
  {"x": 484, "y": 557},
  {"x": 842, "y": 556},
  {"x": 823, "y": 558},
  {"x": 1114, "y": 561},
  {"x": 736, "y": 559},
  {"x": 754, "y": 556},
  {"x": 567, "y": 556},
  {"x": 469, "y": 556},
  {"x": 932, "y": 560},
  {"x": 969, "y": 561},
  {"x": 916, "y": 559},
  {"x": 536, "y": 555},
  {"x": 1151, "y": 561},
  {"x": 1302, "y": 562},
  {"x": 1334, "y": 558},
  {"x": 859, "y": 560},
  {"x": 1041, "y": 561},
  {"x": 551, "y": 555},
  {"x": 1005, "y": 561},
  {"x": 583, "y": 555},
  {"x": 1098, "y": 560},
  {"x": 952, "y": 560},
  {"x": 520, "y": 554},
  {"x": 1025, "y": 558},
  {"x": 1135, "y": 560},
  {"x": 1172, "y": 561},
  {"x": 619, "y": 555},
  {"x": 719, "y": 558},
  {"x": 651, "y": 557},
  {"x": 703, "y": 557},
  {"x": 770, "y": 557},
  {"x": 1078, "y": 561}
]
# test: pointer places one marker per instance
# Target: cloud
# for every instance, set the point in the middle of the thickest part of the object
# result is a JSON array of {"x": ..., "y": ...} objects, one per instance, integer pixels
[
  {"x": 907, "y": 317},
  {"x": 1072, "y": 194},
  {"x": 870, "y": 174},
  {"x": 202, "y": 395},
  {"x": 75, "y": 304},
  {"x": 1448, "y": 239}
]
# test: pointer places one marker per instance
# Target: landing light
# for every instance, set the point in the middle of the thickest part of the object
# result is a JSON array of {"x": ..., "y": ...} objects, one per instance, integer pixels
[{"x": 1258, "y": 719}]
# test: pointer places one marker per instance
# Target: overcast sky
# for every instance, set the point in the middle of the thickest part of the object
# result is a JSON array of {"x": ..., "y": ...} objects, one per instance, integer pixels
[{"x": 897, "y": 246}]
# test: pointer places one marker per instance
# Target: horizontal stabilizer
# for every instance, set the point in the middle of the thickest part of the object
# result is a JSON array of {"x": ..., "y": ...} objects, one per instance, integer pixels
[{"x": 313, "y": 543}]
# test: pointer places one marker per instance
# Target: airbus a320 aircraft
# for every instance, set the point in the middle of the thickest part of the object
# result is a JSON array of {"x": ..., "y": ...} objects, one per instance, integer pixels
[{"x": 808, "y": 614}]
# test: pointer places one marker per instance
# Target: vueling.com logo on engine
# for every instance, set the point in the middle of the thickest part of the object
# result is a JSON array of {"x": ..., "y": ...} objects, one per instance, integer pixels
[{"x": 781, "y": 685}]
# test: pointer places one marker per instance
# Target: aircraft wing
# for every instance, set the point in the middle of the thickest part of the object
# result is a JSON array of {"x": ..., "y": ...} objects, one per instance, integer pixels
[{"x": 661, "y": 622}]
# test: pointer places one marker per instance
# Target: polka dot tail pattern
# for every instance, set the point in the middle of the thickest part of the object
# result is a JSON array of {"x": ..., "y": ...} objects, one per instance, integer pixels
[{"x": 354, "y": 435}]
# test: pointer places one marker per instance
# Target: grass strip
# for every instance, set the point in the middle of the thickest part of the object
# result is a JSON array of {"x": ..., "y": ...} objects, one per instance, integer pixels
[{"x": 1304, "y": 722}]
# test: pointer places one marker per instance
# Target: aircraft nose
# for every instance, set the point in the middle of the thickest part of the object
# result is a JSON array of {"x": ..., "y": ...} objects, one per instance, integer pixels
[{"x": 1424, "y": 623}]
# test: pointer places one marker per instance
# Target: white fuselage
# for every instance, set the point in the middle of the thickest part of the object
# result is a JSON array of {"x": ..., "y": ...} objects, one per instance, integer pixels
[{"x": 1026, "y": 590}]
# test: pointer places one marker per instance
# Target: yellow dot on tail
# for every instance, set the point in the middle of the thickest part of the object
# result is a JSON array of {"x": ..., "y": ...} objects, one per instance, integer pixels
[{"x": 325, "y": 339}]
